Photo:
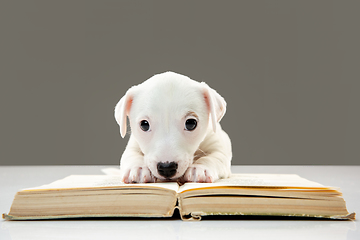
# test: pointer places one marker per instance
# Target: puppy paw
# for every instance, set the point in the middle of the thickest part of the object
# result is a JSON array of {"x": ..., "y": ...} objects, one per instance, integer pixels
[
  {"x": 199, "y": 173},
  {"x": 138, "y": 175}
]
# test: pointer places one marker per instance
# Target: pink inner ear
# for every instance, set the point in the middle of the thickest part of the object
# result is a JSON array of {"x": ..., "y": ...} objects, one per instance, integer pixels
[
  {"x": 125, "y": 112},
  {"x": 211, "y": 111},
  {"x": 207, "y": 100},
  {"x": 128, "y": 106}
]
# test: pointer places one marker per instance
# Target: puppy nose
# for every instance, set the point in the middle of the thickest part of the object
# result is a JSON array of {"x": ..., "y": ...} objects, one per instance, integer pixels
[{"x": 167, "y": 169}]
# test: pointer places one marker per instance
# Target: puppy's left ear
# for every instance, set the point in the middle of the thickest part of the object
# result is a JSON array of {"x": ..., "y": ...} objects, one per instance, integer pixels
[
  {"x": 122, "y": 110},
  {"x": 215, "y": 103}
]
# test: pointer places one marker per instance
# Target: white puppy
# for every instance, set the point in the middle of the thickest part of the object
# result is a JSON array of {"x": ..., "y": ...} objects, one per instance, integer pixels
[{"x": 175, "y": 131}]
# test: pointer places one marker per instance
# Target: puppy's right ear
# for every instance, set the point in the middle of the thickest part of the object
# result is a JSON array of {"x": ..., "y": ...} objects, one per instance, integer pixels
[
  {"x": 215, "y": 104},
  {"x": 122, "y": 110}
]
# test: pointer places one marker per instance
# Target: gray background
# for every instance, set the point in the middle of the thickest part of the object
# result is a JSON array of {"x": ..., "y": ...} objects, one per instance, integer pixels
[{"x": 289, "y": 71}]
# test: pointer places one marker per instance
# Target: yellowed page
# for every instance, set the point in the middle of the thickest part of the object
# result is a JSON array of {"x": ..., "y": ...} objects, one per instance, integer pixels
[
  {"x": 257, "y": 180},
  {"x": 99, "y": 181}
]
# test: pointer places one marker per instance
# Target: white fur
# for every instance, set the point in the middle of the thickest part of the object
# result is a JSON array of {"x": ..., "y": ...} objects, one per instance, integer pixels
[{"x": 165, "y": 101}]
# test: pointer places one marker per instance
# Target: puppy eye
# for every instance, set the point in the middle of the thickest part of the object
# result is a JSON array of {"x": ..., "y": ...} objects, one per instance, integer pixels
[
  {"x": 190, "y": 124},
  {"x": 144, "y": 125}
]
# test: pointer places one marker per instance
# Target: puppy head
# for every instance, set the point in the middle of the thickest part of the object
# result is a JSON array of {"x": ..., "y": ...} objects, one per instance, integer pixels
[{"x": 169, "y": 115}]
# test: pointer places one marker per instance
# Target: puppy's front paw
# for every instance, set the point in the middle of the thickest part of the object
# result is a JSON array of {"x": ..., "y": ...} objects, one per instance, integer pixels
[
  {"x": 200, "y": 173},
  {"x": 139, "y": 174}
]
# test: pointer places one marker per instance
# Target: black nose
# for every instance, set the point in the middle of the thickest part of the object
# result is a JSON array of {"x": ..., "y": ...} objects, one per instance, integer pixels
[{"x": 167, "y": 169}]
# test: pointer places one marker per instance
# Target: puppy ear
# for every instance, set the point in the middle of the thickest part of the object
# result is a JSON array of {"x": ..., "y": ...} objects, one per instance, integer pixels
[
  {"x": 215, "y": 104},
  {"x": 122, "y": 110}
]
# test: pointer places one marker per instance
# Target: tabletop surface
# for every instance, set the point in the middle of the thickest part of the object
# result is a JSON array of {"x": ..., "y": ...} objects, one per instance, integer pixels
[{"x": 13, "y": 178}]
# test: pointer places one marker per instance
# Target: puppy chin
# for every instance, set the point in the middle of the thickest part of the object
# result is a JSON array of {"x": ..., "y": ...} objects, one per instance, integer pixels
[
  {"x": 164, "y": 179},
  {"x": 177, "y": 177}
]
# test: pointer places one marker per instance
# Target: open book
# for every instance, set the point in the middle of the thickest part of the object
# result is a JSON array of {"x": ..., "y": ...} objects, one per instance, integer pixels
[{"x": 242, "y": 194}]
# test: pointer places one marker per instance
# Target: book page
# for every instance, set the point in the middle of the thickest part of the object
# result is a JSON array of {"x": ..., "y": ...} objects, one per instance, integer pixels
[
  {"x": 100, "y": 181},
  {"x": 257, "y": 180}
]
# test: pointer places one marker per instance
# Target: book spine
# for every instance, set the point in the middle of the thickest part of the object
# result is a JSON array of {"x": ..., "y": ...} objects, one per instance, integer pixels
[{"x": 193, "y": 217}]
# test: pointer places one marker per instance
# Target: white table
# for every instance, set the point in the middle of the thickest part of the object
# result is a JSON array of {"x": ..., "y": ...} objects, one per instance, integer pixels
[{"x": 346, "y": 177}]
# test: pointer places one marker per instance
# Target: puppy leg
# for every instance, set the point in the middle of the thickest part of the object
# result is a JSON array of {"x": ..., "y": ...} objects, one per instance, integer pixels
[
  {"x": 215, "y": 162},
  {"x": 132, "y": 166}
]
